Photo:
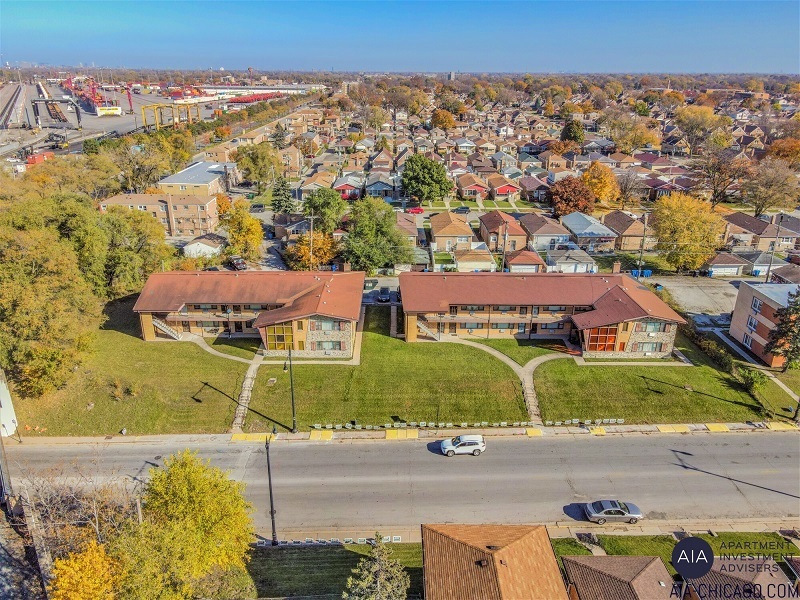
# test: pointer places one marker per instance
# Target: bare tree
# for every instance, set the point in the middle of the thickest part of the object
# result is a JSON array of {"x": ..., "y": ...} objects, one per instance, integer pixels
[
  {"x": 718, "y": 171},
  {"x": 631, "y": 187},
  {"x": 773, "y": 185}
]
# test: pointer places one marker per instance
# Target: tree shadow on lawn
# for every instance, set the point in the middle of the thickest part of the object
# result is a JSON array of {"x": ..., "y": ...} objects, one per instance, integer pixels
[
  {"x": 731, "y": 386},
  {"x": 120, "y": 316}
]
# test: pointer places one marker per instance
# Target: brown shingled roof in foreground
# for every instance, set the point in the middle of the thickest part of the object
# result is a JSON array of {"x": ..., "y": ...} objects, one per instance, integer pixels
[
  {"x": 336, "y": 295},
  {"x": 618, "y": 577},
  {"x": 490, "y": 562}
]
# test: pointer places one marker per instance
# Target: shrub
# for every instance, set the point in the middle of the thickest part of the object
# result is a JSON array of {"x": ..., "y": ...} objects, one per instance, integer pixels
[{"x": 752, "y": 379}]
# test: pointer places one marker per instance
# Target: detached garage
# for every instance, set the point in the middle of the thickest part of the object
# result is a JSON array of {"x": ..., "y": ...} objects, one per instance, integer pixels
[{"x": 725, "y": 264}]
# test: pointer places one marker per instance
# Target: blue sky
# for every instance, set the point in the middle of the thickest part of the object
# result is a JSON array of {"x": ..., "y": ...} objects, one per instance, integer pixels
[{"x": 528, "y": 36}]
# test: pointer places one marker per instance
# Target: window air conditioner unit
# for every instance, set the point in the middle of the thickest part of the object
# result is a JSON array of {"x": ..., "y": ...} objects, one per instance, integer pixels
[
  {"x": 648, "y": 353},
  {"x": 651, "y": 335},
  {"x": 327, "y": 333},
  {"x": 471, "y": 313}
]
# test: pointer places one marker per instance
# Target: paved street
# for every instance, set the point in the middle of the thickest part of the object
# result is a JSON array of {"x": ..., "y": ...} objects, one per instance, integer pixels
[{"x": 401, "y": 484}]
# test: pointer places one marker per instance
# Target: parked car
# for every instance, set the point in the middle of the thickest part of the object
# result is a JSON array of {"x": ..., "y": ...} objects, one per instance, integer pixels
[
  {"x": 464, "y": 444},
  {"x": 238, "y": 263},
  {"x": 612, "y": 510},
  {"x": 415, "y": 210},
  {"x": 257, "y": 208},
  {"x": 384, "y": 295},
  {"x": 462, "y": 210}
]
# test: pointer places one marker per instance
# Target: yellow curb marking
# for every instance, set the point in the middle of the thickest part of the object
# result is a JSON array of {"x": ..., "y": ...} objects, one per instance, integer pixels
[
  {"x": 717, "y": 427},
  {"x": 597, "y": 431},
  {"x": 533, "y": 432},
  {"x": 317, "y": 436},
  {"x": 402, "y": 434},
  {"x": 681, "y": 428},
  {"x": 250, "y": 437},
  {"x": 666, "y": 428},
  {"x": 781, "y": 427}
]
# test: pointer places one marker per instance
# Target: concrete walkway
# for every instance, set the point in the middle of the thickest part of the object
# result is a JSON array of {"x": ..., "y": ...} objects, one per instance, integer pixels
[
  {"x": 243, "y": 402},
  {"x": 724, "y": 338}
]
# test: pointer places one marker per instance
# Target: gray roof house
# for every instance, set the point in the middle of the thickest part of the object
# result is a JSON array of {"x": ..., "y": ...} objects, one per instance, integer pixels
[
  {"x": 570, "y": 261},
  {"x": 588, "y": 232}
]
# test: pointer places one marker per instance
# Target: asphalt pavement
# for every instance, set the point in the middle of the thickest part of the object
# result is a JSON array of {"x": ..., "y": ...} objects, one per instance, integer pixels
[{"x": 365, "y": 484}]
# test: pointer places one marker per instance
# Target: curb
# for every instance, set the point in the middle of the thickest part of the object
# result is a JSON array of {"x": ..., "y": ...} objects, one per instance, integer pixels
[{"x": 403, "y": 433}]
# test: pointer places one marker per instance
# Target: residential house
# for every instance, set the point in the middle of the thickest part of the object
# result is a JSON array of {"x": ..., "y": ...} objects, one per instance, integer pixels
[
  {"x": 724, "y": 264},
  {"x": 789, "y": 222},
  {"x": 675, "y": 145},
  {"x": 787, "y": 274},
  {"x": 464, "y": 146},
  {"x": 524, "y": 261},
  {"x": 502, "y": 160},
  {"x": 629, "y": 229},
  {"x": 551, "y": 160},
  {"x": 289, "y": 227},
  {"x": 221, "y": 153},
  {"x": 500, "y": 231},
  {"x": 555, "y": 174},
  {"x": 589, "y": 233},
  {"x": 758, "y": 263},
  {"x": 455, "y": 160},
  {"x": 502, "y": 188},
  {"x": 485, "y": 147},
  {"x": 470, "y": 186},
  {"x": 349, "y": 186},
  {"x": 205, "y": 246},
  {"x": 617, "y": 578},
  {"x": 179, "y": 214},
  {"x": 382, "y": 160},
  {"x": 474, "y": 259},
  {"x": 544, "y": 233},
  {"x": 380, "y": 185},
  {"x": 624, "y": 161},
  {"x": 316, "y": 181},
  {"x": 407, "y": 224},
  {"x": 450, "y": 231},
  {"x": 572, "y": 260},
  {"x": 609, "y": 315},
  {"x": 577, "y": 162},
  {"x": 754, "y": 316},
  {"x": 748, "y": 575},
  {"x": 201, "y": 179},
  {"x": 745, "y": 230},
  {"x": 291, "y": 159},
  {"x": 533, "y": 189},
  {"x": 311, "y": 313},
  {"x": 489, "y": 562}
]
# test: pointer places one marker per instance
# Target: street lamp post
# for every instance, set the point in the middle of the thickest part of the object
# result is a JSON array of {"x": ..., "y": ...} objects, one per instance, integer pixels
[
  {"x": 291, "y": 387},
  {"x": 269, "y": 478}
]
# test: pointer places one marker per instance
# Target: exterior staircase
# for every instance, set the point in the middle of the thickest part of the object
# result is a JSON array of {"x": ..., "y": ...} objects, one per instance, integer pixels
[
  {"x": 427, "y": 330},
  {"x": 159, "y": 324}
]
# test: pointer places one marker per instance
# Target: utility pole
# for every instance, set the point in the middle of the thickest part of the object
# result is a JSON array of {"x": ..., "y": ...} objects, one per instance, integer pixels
[
  {"x": 774, "y": 247},
  {"x": 269, "y": 478},
  {"x": 291, "y": 387},
  {"x": 641, "y": 250},
  {"x": 311, "y": 243},
  {"x": 505, "y": 243}
]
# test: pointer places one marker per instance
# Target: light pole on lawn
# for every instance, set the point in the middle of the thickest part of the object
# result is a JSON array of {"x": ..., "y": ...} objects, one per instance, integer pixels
[
  {"x": 269, "y": 478},
  {"x": 291, "y": 387}
]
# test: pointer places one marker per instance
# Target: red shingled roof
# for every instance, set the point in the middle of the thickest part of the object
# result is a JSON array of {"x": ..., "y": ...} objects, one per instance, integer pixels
[{"x": 336, "y": 295}]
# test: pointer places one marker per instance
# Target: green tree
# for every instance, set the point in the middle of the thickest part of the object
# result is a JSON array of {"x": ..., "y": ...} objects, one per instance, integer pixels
[
  {"x": 641, "y": 108},
  {"x": 378, "y": 576},
  {"x": 573, "y": 131},
  {"x": 91, "y": 146},
  {"x": 328, "y": 208},
  {"x": 784, "y": 338},
  {"x": 688, "y": 230},
  {"x": 282, "y": 201},
  {"x": 425, "y": 179},
  {"x": 141, "y": 162},
  {"x": 48, "y": 312},
  {"x": 373, "y": 239},
  {"x": 697, "y": 122},
  {"x": 259, "y": 163},
  {"x": 772, "y": 185},
  {"x": 570, "y": 195},
  {"x": 245, "y": 233},
  {"x": 278, "y": 137}
]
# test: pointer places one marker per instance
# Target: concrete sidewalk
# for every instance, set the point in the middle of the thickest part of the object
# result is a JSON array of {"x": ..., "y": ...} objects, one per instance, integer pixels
[{"x": 558, "y": 529}]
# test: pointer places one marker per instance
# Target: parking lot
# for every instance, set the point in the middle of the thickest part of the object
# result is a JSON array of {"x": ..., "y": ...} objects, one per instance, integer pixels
[{"x": 712, "y": 300}]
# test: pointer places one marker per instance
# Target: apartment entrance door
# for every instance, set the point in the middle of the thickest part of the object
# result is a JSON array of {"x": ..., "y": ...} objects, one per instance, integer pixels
[{"x": 185, "y": 326}]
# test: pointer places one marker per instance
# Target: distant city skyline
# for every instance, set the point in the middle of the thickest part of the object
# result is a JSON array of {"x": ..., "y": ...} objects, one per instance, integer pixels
[{"x": 411, "y": 36}]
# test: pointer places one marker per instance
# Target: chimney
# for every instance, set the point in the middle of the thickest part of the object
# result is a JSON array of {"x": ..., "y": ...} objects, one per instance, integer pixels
[{"x": 616, "y": 267}]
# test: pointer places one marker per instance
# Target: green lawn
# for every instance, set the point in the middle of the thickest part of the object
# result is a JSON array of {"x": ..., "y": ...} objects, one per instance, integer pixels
[
  {"x": 640, "y": 545},
  {"x": 242, "y": 347},
  {"x": 163, "y": 387},
  {"x": 489, "y": 204},
  {"x": 643, "y": 394},
  {"x": 791, "y": 378},
  {"x": 443, "y": 258},
  {"x": 413, "y": 382},
  {"x": 504, "y": 205},
  {"x": 630, "y": 261},
  {"x": 523, "y": 351},
  {"x": 567, "y": 547},
  {"x": 321, "y": 571}
]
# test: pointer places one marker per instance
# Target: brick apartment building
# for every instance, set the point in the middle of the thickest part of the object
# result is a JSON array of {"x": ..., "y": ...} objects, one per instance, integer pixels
[
  {"x": 180, "y": 215},
  {"x": 609, "y": 315},
  {"x": 201, "y": 179},
  {"x": 754, "y": 316}
]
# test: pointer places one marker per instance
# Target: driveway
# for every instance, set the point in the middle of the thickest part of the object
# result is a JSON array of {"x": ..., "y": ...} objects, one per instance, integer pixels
[{"x": 709, "y": 301}]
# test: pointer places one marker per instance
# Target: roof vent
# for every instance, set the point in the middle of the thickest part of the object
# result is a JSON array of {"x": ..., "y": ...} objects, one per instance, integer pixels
[
  {"x": 493, "y": 547},
  {"x": 483, "y": 563}
]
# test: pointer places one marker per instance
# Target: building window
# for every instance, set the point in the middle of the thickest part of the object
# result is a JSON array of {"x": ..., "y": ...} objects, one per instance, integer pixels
[
  {"x": 502, "y": 308},
  {"x": 520, "y": 327},
  {"x": 472, "y": 308},
  {"x": 648, "y": 346},
  {"x": 279, "y": 336},
  {"x": 523, "y": 310},
  {"x": 558, "y": 325},
  {"x": 299, "y": 326},
  {"x": 756, "y": 305},
  {"x": 751, "y": 322},
  {"x": 602, "y": 339},
  {"x": 162, "y": 208},
  {"x": 453, "y": 310},
  {"x": 556, "y": 308},
  {"x": 472, "y": 326},
  {"x": 503, "y": 326},
  {"x": 181, "y": 187},
  {"x": 329, "y": 345},
  {"x": 652, "y": 326},
  {"x": 747, "y": 340}
]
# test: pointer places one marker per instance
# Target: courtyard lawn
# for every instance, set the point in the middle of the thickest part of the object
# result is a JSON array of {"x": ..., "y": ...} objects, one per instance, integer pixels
[
  {"x": 630, "y": 260},
  {"x": 321, "y": 571},
  {"x": 395, "y": 381},
  {"x": 640, "y": 545},
  {"x": 522, "y": 351},
  {"x": 144, "y": 387},
  {"x": 503, "y": 205},
  {"x": 644, "y": 394},
  {"x": 241, "y": 347},
  {"x": 791, "y": 378}
]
